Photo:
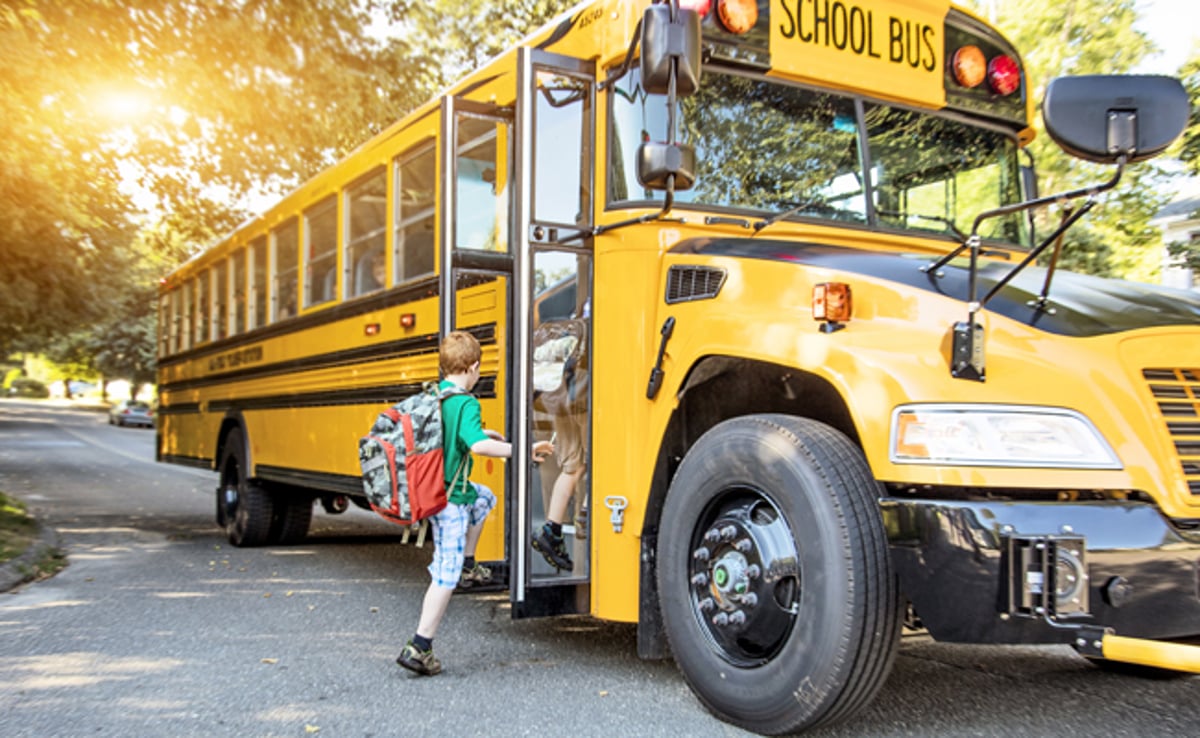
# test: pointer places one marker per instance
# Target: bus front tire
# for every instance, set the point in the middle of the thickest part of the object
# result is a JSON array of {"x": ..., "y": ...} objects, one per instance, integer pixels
[
  {"x": 775, "y": 584},
  {"x": 244, "y": 509}
]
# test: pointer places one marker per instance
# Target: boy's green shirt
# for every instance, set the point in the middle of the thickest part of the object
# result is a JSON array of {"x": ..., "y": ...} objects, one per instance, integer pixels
[{"x": 462, "y": 427}]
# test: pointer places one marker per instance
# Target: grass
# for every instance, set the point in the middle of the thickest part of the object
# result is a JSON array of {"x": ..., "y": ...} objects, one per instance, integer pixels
[{"x": 18, "y": 531}]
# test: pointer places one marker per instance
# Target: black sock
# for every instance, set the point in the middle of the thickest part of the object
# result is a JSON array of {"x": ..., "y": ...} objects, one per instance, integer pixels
[
  {"x": 421, "y": 642},
  {"x": 468, "y": 563},
  {"x": 554, "y": 528}
]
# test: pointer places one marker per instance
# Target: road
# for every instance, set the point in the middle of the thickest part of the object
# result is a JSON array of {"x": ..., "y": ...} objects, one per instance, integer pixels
[{"x": 159, "y": 628}]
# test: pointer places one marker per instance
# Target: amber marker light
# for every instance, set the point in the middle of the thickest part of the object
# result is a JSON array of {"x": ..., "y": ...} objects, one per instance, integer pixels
[
  {"x": 738, "y": 16},
  {"x": 371, "y": 329},
  {"x": 970, "y": 66},
  {"x": 1004, "y": 76},
  {"x": 408, "y": 320},
  {"x": 831, "y": 302}
]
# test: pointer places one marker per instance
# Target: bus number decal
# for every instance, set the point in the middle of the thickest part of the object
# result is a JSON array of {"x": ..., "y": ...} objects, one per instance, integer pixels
[{"x": 234, "y": 359}]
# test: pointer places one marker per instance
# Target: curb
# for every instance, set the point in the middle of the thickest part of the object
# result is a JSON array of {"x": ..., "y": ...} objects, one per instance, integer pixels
[{"x": 16, "y": 571}]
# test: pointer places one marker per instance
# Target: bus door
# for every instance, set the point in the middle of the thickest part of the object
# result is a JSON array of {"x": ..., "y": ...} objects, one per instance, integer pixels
[
  {"x": 555, "y": 133},
  {"x": 476, "y": 268}
]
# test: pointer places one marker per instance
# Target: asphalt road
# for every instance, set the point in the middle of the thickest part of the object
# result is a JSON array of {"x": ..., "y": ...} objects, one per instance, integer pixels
[{"x": 159, "y": 628}]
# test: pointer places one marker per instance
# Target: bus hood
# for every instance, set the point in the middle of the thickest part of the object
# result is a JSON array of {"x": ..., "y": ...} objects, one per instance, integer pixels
[{"x": 1082, "y": 305}]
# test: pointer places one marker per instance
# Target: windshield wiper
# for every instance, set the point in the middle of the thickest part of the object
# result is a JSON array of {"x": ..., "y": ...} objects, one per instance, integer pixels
[
  {"x": 771, "y": 220},
  {"x": 933, "y": 218}
]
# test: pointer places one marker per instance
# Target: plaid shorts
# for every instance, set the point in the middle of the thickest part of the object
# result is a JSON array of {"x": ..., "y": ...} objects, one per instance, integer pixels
[{"x": 450, "y": 535}]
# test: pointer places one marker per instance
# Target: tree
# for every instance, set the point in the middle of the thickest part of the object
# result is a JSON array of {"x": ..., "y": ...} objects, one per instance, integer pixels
[
  {"x": 1088, "y": 37},
  {"x": 199, "y": 103}
]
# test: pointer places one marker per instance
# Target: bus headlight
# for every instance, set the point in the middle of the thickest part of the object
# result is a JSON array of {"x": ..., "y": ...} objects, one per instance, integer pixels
[{"x": 997, "y": 435}]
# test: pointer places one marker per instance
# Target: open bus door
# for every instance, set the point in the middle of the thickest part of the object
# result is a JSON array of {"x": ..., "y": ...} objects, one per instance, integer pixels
[{"x": 555, "y": 125}]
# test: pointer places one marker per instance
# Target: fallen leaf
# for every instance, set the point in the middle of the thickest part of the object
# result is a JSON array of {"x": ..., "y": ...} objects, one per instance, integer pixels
[
  {"x": 268, "y": 594},
  {"x": 374, "y": 609},
  {"x": 311, "y": 729},
  {"x": 288, "y": 593},
  {"x": 270, "y": 661},
  {"x": 604, "y": 693}
]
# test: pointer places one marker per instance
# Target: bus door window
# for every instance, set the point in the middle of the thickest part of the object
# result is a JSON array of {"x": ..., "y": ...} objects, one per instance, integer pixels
[
  {"x": 561, "y": 369},
  {"x": 562, "y": 151},
  {"x": 320, "y": 239},
  {"x": 482, "y": 198},
  {"x": 416, "y": 176},
  {"x": 286, "y": 240},
  {"x": 238, "y": 276},
  {"x": 258, "y": 287}
]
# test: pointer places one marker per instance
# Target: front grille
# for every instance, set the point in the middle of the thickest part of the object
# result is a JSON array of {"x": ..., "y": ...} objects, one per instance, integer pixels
[
  {"x": 1177, "y": 392},
  {"x": 685, "y": 283}
]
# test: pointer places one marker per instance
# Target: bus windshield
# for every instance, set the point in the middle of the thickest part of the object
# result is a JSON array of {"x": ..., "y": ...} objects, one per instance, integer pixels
[{"x": 769, "y": 147}]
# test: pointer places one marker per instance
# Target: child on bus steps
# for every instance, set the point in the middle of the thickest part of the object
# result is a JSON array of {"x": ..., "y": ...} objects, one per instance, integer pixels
[{"x": 456, "y": 529}]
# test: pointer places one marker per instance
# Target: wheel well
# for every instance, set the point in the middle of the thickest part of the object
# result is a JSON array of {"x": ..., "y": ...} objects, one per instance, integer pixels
[
  {"x": 716, "y": 389},
  {"x": 227, "y": 425}
]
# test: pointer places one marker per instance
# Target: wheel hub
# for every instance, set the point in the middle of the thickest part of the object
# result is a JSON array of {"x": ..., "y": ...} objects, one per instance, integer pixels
[{"x": 745, "y": 579}]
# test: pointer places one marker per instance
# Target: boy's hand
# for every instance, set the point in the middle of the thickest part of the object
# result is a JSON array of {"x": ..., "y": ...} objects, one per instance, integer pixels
[{"x": 541, "y": 450}]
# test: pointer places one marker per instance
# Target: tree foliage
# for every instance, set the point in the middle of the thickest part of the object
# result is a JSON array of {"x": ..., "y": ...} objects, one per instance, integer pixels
[{"x": 1088, "y": 37}]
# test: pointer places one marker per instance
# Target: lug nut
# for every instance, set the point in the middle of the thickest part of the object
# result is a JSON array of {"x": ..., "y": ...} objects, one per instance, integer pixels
[
  {"x": 700, "y": 579},
  {"x": 744, "y": 545},
  {"x": 749, "y": 599},
  {"x": 728, "y": 532},
  {"x": 712, "y": 535},
  {"x": 754, "y": 571},
  {"x": 737, "y": 618},
  {"x": 701, "y": 554},
  {"x": 721, "y": 619},
  {"x": 706, "y": 604}
]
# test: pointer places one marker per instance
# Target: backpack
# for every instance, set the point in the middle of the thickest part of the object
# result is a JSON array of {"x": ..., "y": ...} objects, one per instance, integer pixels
[{"x": 402, "y": 459}]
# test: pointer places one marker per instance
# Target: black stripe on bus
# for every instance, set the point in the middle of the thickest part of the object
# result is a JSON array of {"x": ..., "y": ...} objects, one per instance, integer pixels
[
  {"x": 339, "y": 483},
  {"x": 377, "y": 395},
  {"x": 485, "y": 334},
  {"x": 197, "y": 462},
  {"x": 178, "y": 408}
]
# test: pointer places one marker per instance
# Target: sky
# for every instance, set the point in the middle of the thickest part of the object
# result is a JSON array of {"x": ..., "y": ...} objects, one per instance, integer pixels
[{"x": 1170, "y": 24}]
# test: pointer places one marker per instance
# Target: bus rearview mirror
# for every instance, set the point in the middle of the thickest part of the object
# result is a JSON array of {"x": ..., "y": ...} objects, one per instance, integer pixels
[
  {"x": 665, "y": 40},
  {"x": 656, "y": 162},
  {"x": 1102, "y": 118}
]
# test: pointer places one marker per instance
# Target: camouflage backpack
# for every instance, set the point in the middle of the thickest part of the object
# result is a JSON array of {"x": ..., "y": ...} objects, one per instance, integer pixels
[{"x": 402, "y": 459}]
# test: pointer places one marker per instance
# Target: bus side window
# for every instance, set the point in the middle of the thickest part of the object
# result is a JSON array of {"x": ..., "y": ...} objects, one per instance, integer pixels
[
  {"x": 285, "y": 242},
  {"x": 320, "y": 238},
  {"x": 203, "y": 303},
  {"x": 258, "y": 288},
  {"x": 366, "y": 235},
  {"x": 237, "y": 271},
  {"x": 414, "y": 242},
  {"x": 220, "y": 300}
]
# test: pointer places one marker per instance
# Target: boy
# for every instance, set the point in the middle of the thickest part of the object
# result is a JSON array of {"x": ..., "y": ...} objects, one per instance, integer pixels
[{"x": 456, "y": 529}]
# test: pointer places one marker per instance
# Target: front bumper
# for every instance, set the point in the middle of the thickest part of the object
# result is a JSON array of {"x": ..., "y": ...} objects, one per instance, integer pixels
[{"x": 952, "y": 559}]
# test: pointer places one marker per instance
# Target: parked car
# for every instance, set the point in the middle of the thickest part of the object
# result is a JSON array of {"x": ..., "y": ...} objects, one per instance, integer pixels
[{"x": 131, "y": 412}]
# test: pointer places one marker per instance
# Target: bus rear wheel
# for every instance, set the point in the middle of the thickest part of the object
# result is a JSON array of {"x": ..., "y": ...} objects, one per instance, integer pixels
[
  {"x": 244, "y": 509},
  {"x": 776, "y": 589}
]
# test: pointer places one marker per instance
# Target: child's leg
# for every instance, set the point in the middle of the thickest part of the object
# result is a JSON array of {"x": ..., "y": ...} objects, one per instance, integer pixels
[
  {"x": 485, "y": 500},
  {"x": 449, "y": 532}
]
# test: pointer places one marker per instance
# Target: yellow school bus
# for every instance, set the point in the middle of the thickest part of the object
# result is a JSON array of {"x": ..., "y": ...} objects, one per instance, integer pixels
[{"x": 828, "y": 377}]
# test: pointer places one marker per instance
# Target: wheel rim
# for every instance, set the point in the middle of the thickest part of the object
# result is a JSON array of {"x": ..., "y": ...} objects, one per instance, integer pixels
[
  {"x": 744, "y": 577},
  {"x": 230, "y": 494}
]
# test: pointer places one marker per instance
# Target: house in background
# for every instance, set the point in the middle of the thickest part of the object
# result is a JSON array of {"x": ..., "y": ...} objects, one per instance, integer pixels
[{"x": 1180, "y": 222}]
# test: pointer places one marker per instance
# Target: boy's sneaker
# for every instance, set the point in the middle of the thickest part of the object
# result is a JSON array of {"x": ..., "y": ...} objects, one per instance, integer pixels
[
  {"x": 553, "y": 549},
  {"x": 477, "y": 576},
  {"x": 422, "y": 662}
]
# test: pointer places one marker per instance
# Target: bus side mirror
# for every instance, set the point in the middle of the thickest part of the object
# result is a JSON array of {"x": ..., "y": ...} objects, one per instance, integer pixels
[
  {"x": 656, "y": 162},
  {"x": 666, "y": 39},
  {"x": 1102, "y": 118}
]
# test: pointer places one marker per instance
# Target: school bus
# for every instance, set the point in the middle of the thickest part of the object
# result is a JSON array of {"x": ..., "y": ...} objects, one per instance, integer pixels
[{"x": 834, "y": 380}]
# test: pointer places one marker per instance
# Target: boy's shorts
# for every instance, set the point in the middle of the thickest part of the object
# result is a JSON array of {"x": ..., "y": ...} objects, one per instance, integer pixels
[{"x": 450, "y": 535}]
